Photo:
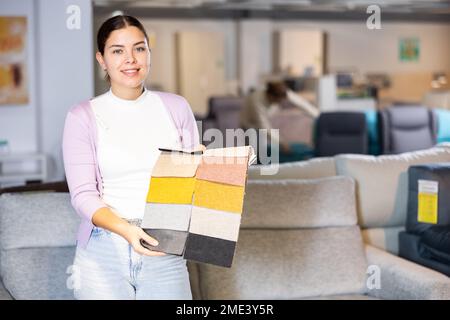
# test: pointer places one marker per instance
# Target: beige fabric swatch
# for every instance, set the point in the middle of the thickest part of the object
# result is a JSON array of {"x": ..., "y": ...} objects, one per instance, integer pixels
[
  {"x": 175, "y": 164},
  {"x": 215, "y": 223}
]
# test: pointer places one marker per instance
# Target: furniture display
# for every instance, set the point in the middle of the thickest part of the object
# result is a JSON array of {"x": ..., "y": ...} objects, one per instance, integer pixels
[
  {"x": 18, "y": 176},
  {"x": 407, "y": 128},
  {"x": 341, "y": 132}
]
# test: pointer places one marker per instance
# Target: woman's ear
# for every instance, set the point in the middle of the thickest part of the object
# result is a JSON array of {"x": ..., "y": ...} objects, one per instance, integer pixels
[{"x": 100, "y": 60}]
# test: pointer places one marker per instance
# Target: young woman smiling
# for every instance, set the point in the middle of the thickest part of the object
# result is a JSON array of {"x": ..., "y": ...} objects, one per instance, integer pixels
[{"x": 110, "y": 146}]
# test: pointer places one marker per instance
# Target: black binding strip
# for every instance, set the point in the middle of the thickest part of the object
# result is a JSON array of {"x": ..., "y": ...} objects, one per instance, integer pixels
[{"x": 180, "y": 151}]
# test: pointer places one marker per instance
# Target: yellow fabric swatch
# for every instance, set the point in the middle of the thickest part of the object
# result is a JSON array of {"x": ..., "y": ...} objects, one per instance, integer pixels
[
  {"x": 428, "y": 208},
  {"x": 219, "y": 196},
  {"x": 171, "y": 190}
]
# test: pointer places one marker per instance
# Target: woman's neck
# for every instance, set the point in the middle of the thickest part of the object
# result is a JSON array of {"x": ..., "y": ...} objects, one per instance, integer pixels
[{"x": 127, "y": 93}]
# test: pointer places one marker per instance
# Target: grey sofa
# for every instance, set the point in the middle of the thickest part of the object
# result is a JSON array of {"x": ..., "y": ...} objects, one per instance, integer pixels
[
  {"x": 299, "y": 240},
  {"x": 381, "y": 187},
  {"x": 37, "y": 244}
]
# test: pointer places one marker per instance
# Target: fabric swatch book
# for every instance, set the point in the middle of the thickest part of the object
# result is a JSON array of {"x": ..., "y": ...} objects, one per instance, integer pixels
[{"x": 195, "y": 200}]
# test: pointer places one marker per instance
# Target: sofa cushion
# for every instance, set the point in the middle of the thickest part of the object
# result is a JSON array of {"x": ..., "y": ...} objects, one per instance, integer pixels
[
  {"x": 402, "y": 279},
  {"x": 382, "y": 183},
  {"x": 411, "y": 248},
  {"x": 37, "y": 273},
  {"x": 443, "y": 145},
  {"x": 310, "y": 169},
  {"x": 437, "y": 241},
  {"x": 290, "y": 264},
  {"x": 312, "y": 203},
  {"x": 383, "y": 238},
  {"x": 40, "y": 219},
  {"x": 194, "y": 279},
  {"x": 4, "y": 294}
]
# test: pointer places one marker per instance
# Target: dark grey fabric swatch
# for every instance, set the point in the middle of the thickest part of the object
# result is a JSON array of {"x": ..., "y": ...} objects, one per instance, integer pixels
[
  {"x": 170, "y": 241},
  {"x": 211, "y": 250}
]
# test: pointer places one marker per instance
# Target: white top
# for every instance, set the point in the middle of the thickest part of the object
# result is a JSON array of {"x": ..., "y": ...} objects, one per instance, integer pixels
[{"x": 129, "y": 135}]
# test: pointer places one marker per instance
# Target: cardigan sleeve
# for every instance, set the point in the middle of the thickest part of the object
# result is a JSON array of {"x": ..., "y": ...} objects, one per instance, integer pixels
[
  {"x": 190, "y": 133},
  {"x": 80, "y": 167}
]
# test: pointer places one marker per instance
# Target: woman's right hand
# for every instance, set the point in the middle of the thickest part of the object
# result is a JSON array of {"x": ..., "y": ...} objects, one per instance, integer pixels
[{"x": 134, "y": 234}]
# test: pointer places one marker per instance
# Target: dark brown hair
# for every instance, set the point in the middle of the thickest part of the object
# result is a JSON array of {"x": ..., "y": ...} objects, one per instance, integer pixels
[
  {"x": 276, "y": 90},
  {"x": 116, "y": 23}
]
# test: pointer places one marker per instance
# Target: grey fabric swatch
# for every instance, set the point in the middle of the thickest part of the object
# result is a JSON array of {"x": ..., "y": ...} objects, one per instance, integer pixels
[
  {"x": 167, "y": 216},
  {"x": 170, "y": 241}
]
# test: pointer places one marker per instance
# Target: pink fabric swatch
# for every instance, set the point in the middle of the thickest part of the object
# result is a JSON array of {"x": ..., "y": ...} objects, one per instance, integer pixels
[{"x": 227, "y": 170}]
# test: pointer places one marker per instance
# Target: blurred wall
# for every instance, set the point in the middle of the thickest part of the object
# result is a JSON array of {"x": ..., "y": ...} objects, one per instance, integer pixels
[
  {"x": 163, "y": 68},
  {"x": 60, "y": 64},
  {"x": 249, "y": 47},
  {"x": 18, "y": 124}
]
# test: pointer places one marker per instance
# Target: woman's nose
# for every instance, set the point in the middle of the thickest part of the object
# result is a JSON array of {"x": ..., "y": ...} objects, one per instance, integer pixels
[{"x": 130, "y": 58}]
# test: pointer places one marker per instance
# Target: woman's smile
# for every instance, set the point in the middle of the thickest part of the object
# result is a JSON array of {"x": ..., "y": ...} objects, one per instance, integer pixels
[{"x": 131, "y": 72}]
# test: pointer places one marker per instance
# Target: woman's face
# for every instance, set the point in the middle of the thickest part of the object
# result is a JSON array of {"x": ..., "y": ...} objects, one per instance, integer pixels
[{"x": 126, "y": 57}]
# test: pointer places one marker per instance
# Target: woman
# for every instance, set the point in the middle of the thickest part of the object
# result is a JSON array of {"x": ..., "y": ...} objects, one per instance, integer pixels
[
  {"x": 110, "y": 145},
  {"x": 260, "y": 105}
]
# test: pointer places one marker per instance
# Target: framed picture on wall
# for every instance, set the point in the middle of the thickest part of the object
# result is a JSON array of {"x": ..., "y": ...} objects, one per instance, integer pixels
[
  {"x": 13, "y": 61},
  {"x": 409, "y": 49}
]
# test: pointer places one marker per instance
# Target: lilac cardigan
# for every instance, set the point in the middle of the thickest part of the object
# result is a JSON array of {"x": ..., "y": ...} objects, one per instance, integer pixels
[{"x": 79, "y": 148}]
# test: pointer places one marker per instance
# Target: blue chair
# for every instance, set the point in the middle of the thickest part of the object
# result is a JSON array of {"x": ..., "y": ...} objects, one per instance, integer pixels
[
  {"x": 372, "y": 131},
  {"x": 443, "y": 134}
]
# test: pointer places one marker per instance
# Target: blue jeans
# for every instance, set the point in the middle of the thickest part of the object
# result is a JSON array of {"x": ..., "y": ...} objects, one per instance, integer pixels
[{"x": 109, "y": 268}]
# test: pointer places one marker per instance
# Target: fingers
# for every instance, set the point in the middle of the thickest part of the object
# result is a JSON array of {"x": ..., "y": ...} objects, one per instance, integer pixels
[
  {"x": 151, "y": 241},
  {"x": 146, "y": 252}
]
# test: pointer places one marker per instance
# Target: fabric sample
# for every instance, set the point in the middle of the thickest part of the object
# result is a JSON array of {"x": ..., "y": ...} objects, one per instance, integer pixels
[
  {"x": 243, "y": 151},
  {"x": 171, "y": 190},
  {"x": 209, "y": 250},
  {"x": 227, "y": 170},
  {"x": 176, "y": 164},
  {"x": 214, "y": 223},
  {"x": 218, "y": 196},
  {"x": 170, "y": 241},
  {"x": 167, "y": 216}
]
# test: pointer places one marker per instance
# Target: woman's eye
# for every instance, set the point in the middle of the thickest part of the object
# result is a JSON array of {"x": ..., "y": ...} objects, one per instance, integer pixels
[
  {"x": 117, "y": 51},
  {"x": 140, "y": 49}
]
